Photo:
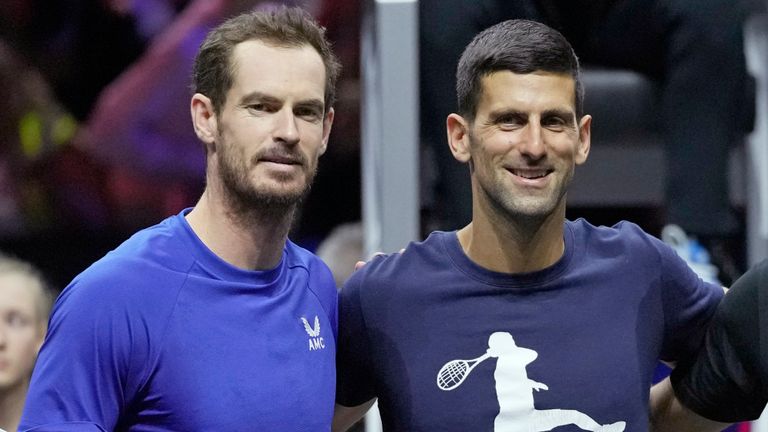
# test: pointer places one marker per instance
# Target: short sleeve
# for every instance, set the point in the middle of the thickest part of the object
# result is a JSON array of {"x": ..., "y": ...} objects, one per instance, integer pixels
[
  {"x": 85, "y": 374},
  {"x": 725, "y": 383},
  {"x": 689, "y": 304},
  {"x": 355, "y": 381}
]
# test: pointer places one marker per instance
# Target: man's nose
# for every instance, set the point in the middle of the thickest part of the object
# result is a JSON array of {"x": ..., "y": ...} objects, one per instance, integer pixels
[
  {"x": 532, "y": 141},
  {"x": 286, "y": 128}
]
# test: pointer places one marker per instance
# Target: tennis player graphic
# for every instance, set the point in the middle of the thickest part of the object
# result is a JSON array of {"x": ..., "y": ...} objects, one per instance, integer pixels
[{"x": 514, "y": 390}]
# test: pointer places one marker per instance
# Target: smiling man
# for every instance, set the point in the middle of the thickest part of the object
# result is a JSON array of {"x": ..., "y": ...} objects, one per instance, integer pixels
[
  {"x": 521, "y": 320},
  {"x": 213, "y": 319}
]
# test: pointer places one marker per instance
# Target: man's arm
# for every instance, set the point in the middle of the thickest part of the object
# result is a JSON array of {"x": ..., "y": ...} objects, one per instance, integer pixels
[
  {"x": 345, "y": 417},
  {"x": 669, "y": 415}
]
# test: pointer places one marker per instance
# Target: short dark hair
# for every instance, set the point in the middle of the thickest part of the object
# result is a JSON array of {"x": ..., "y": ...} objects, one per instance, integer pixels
[
  {"x": 213, "y": 73},
  {"x": 519, "y": 46}
]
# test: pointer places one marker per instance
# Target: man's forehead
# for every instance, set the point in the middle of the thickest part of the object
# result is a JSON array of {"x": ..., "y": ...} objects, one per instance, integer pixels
[
  {"x": 505, "y": 85},
  {"x": 540, "y": 78},
  {"x": 271, "y": 54},
  {"x": 257, "y": 65}
]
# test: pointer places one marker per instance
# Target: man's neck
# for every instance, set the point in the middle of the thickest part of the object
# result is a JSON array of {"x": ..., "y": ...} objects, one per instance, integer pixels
[
  {"x": 252, "y": 241},
  {"x": 11, "y": 406},
  {"x": 507, "y": 245}
]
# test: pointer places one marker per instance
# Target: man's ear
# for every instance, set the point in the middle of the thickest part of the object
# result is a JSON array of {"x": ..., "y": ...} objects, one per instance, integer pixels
[
  {"x": 204, "y": 120},
  {"x": 458, "y": 137},
  {"x": 585, "y": 136},
  {"x": 327, "y": 123}
]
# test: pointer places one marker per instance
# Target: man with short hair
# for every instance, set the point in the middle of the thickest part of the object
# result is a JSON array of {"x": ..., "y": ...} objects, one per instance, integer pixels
[
  {"x": 521, "y": 320},
  {"x": 25, "y": 302},
  {"x": 213, "y": 319}
]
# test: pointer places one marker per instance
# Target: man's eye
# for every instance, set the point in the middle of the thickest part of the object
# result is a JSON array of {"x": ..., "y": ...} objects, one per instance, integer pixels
[
  {"x": 257, "y": 107},
  {"x": 513, "y": 120},
  {"x": 554, "y": 122},
  {"x": 308, "y": 114}
]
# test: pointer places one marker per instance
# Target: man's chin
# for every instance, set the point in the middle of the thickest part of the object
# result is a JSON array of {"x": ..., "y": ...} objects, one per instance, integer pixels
[
  {"x": 288, "y": 193},
  {"x": 279, "y": 200},
  {"x": 274, "y": 198},
  {"x": 533, "y": 209}
]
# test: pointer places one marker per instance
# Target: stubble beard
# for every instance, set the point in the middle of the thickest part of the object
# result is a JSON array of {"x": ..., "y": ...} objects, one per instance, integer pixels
[
  {"x": 248, "y": 202},
  {"x": 522, "y": 209}
]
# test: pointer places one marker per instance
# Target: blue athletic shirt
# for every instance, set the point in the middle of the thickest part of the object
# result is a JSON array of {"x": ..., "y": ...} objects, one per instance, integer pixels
[
  {"x": 163, "y": 335},
  {"x": 447, "y": 345}
]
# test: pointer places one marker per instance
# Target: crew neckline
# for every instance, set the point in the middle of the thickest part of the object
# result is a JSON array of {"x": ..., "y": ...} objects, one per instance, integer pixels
[
  {"x": 535, "y": 279},
  {"x": 221, "y": 269}
]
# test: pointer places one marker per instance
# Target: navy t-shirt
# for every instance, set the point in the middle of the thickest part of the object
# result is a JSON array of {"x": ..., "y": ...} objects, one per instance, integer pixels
[
  {"x": 568, "y": 348},
  {"x": 163, "y": 335}
]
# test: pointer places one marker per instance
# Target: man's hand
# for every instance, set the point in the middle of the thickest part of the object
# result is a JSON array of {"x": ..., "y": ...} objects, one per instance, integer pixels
[{"x": 360, "y": 264}]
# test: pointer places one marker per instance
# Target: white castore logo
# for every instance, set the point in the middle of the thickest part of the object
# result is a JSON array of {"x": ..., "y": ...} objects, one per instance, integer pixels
[{"x": 315, "y": 341}]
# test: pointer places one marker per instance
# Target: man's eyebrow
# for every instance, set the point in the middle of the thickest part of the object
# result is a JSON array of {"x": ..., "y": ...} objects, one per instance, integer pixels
[
  {"x": 312, "y": 103},
  {"x": 258, "y": 97},
  {"x": 266, "y": 98},
  {"x": 495, "y": 115}
]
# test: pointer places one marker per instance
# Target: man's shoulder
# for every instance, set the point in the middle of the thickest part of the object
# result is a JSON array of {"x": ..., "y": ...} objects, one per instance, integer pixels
[
  {"x": 149, "y": 260},
  {"x": 623, "y": 230},
  {"x": 752, "y": 287},
  {"x": 746, "y": 301},
  {"x": 622, "y": 234},
  {"x": 298, "y": 257},
  {"x": 417, "y": 263}
]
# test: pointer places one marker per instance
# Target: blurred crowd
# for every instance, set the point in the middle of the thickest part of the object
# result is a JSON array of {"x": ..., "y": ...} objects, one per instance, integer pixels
[{"x": 95, "y": 140}]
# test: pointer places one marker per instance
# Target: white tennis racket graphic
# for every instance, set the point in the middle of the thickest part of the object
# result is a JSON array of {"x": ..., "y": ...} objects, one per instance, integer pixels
[{"x": 453, "y": 373}]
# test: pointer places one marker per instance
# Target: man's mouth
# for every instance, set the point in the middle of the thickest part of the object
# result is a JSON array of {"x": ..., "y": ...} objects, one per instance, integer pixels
[
  {"x": 530, "y": 174},
  {"x": 281, "y": 160}
]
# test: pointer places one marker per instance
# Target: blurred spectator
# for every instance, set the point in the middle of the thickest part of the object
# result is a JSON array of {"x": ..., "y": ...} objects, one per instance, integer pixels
[
  {"x": 25, "y": 302},
  {"x": 342, "y": 249},
  {"x": 67, "y": 52},
  {"x": 33, "y": 125},
  {"x": 78, "y": 45},
  {"x": 53, "y": 206}
]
